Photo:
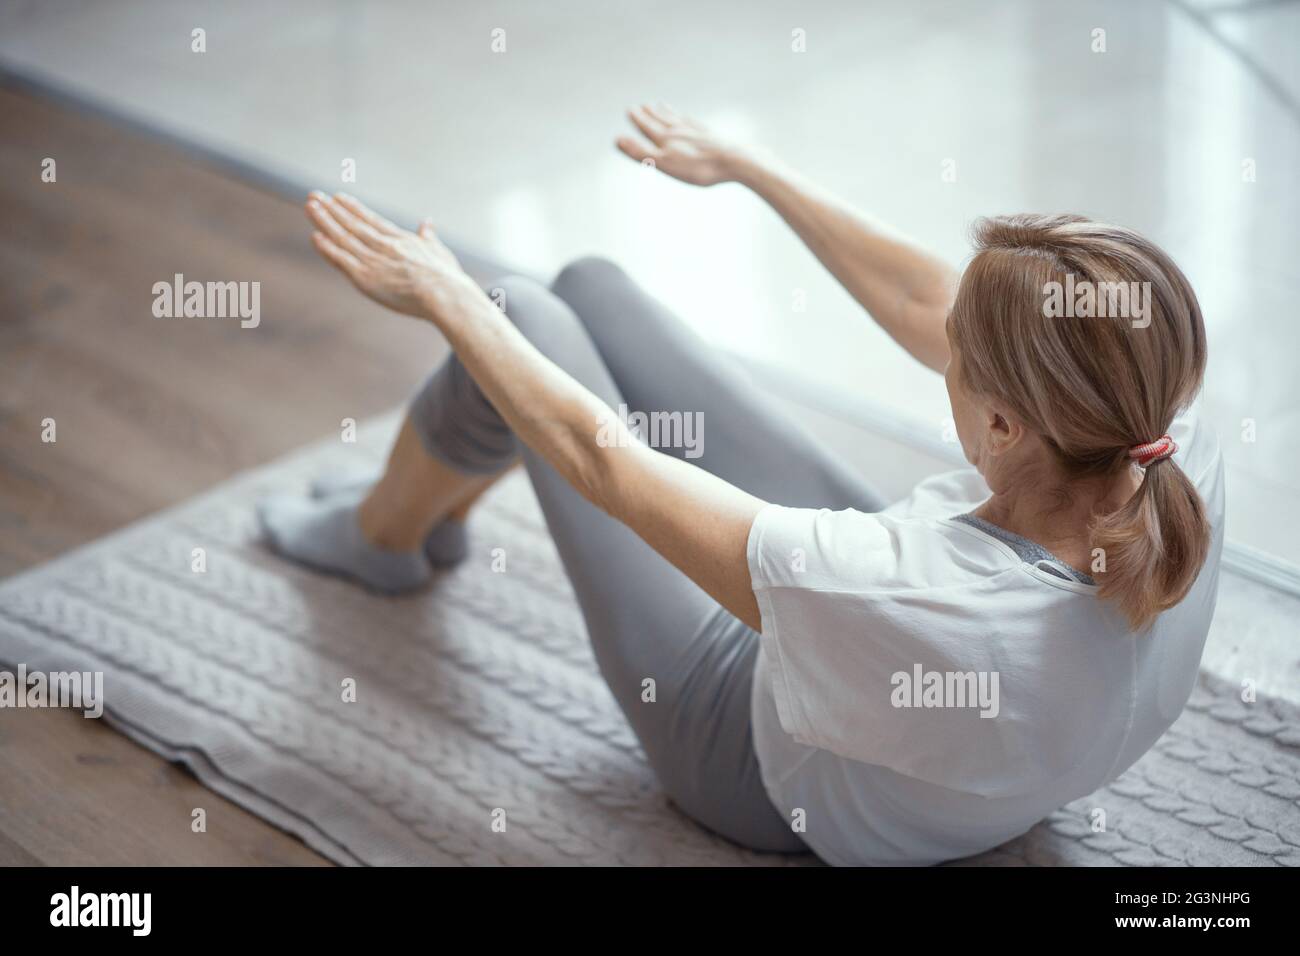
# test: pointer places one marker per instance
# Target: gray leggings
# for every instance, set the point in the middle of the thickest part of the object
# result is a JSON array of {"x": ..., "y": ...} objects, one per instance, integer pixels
[{"x": 644, "y": 617}]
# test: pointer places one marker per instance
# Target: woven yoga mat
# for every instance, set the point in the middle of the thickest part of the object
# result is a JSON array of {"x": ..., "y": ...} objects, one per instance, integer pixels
[{"x": 478, "y": 700}]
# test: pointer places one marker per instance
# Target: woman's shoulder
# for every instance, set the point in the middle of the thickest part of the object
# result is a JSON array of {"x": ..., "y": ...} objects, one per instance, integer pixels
[
  {"x": 942, "y": 495},
  {"x": 919, "y": 549}
]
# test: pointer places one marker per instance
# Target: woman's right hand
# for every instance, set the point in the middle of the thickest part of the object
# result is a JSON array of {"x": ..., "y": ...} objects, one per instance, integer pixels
[
  {"x": 680, "y": 147},
  {"x": 409, "y": 272}
]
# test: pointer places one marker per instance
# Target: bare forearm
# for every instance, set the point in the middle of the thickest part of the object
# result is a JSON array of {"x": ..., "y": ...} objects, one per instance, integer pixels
[
  {"x": 696, "y": 520},
  {"x": 544, "y": 406},
  {"x": 906, "y": 290}
]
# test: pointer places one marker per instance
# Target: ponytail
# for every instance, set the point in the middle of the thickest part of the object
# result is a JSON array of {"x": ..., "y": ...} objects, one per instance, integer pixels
[{"x": 1153, "y": 547}]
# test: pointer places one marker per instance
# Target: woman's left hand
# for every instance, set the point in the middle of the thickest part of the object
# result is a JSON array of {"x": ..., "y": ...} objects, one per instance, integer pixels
[
  {"x": 410, "y": 272},
  {"x": 681, "y": 147}
]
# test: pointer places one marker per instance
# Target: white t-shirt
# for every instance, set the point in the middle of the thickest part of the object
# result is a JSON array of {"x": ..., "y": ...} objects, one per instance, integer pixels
[{"x": 871, "y": 620}]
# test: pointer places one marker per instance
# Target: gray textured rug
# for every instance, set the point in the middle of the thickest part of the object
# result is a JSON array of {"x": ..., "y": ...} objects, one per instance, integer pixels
[{"x": 477, "y": 702}]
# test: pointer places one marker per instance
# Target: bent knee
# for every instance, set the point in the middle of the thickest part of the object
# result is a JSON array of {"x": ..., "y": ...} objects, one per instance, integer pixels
[
  {"x": 586, "y": 272},
  {"x": 511, "y": 291},
  {"x": 534, "y": 310}
]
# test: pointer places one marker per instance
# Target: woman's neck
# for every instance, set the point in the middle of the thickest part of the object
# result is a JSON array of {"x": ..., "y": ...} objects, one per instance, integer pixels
[{"x": 1058, "y": 514}]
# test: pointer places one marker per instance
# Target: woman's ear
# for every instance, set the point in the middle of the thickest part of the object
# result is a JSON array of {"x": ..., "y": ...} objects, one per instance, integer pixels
[{"x": 1004, "y": 430}]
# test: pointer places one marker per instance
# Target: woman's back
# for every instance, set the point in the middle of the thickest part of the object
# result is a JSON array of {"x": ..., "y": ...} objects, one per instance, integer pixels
[{"x": 963, "y": 694}]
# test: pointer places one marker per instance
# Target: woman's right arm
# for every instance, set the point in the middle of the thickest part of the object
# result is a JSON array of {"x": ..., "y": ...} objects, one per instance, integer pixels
[{"x": 907, "y": 290}]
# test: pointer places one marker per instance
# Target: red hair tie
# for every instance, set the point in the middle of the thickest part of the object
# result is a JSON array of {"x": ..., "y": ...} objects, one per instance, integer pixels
[{"x": 1152, "y": 452}]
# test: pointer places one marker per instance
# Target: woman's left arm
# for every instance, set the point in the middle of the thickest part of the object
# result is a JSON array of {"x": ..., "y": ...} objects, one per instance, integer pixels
[{"x": 697, "y": 521}]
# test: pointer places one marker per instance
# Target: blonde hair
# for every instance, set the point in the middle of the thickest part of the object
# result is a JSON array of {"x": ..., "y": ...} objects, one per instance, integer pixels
[{"x": 1094, "y": 387}]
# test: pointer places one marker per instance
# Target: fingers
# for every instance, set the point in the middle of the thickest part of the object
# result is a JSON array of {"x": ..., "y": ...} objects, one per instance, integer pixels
[
  {"x": 636, "y": 149},
  {"x": 367, "y": 215},
  {"x": 650, "y": 127},
  {"x": 342, "y": 260},
  {"x": 426, "y": 230},
  {"x": 354, "y": 225},
  {"x": 319, "y": 213},
  {"x": 664, "y": 114}
]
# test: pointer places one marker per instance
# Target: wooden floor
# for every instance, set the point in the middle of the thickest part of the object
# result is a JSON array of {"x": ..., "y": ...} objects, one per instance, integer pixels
[{"x": 149, "y": 412}]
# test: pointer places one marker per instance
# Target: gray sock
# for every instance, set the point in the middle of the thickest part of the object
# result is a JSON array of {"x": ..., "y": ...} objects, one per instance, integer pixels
[
  {"x": 344, "y": 478},
  {"x": 448, "y": 542},
  {"x": 324, "y": 534}
]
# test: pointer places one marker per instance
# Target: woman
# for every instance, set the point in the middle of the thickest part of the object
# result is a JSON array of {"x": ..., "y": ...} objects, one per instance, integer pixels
[{"x": 907, "y": 683}]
